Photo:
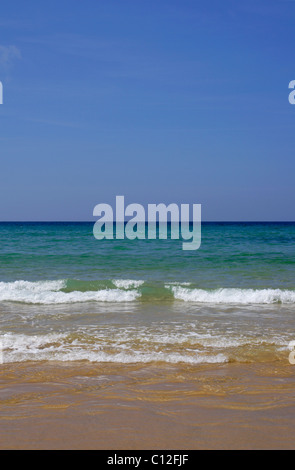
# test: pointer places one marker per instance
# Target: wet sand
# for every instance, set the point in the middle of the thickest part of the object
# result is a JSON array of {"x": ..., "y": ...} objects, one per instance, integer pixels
[{"x": 147, "y": 406}]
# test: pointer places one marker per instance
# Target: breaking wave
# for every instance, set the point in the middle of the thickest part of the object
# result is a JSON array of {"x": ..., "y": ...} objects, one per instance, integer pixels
[
  {"x": 53, "y": 292},
  {"x": 234, "y": 296},
  {"x": 74, "y": 291}
]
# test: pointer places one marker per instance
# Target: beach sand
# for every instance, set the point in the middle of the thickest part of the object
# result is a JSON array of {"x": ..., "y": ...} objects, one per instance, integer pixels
[{"x": 147, "y": 406}]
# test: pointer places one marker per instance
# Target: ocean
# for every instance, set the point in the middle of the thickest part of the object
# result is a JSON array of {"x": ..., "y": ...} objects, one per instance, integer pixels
[{"x": 67, "y": 297}]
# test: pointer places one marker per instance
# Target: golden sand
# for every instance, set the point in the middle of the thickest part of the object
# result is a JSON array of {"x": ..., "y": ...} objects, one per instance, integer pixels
[{"x": 150, "y": 406}]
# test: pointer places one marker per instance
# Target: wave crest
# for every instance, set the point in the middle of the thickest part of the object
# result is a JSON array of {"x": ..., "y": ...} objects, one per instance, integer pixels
[
  {"x": 49, "y": 292},
  {"x": 234, "y": 296}
]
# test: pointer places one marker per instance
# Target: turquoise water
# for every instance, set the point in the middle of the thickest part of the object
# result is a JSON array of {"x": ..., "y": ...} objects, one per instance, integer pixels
[
  {"x": 66, "y": 296},
  {"x": 231, "y": 255}
]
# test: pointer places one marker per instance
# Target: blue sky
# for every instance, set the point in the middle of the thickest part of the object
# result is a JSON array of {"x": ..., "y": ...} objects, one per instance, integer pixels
[{"x": 161, "y": 101}]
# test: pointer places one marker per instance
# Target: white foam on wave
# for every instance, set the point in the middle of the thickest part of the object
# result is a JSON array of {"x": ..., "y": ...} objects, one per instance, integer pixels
[
  {"x": 141, "y": 357},
  {"x": 235, "y": 296},
  {"x": 49, "y": 292},
  {"x": 174, "y": 283},
  {"x": 56, "y": 347},
  {"x": 195, "y": 339},
  {"x": 127, "y": 283},
  {"x": 112, "y": 345},
  {"x": 33, "y": 286}
]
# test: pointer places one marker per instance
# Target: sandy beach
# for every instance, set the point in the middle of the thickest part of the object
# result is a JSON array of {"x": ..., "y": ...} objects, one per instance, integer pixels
[{"x": 115, "y": 406}]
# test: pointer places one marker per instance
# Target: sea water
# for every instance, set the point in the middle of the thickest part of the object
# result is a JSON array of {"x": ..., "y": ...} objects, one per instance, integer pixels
[{"x": 65, "y": 296}]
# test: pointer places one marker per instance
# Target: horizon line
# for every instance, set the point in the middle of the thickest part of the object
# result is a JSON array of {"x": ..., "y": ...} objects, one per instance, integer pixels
[{"x": 146, "y": 221}]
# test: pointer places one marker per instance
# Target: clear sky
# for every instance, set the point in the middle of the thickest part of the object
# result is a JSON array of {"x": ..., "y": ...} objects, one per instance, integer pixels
[{"x": 180, "y": 101}]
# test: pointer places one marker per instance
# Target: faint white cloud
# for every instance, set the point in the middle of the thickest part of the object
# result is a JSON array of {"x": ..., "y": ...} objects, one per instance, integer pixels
[{"x": 8, "y": 54}]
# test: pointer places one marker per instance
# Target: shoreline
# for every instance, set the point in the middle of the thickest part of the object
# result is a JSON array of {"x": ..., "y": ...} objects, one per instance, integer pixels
[{"x": 47, "y": 405}]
